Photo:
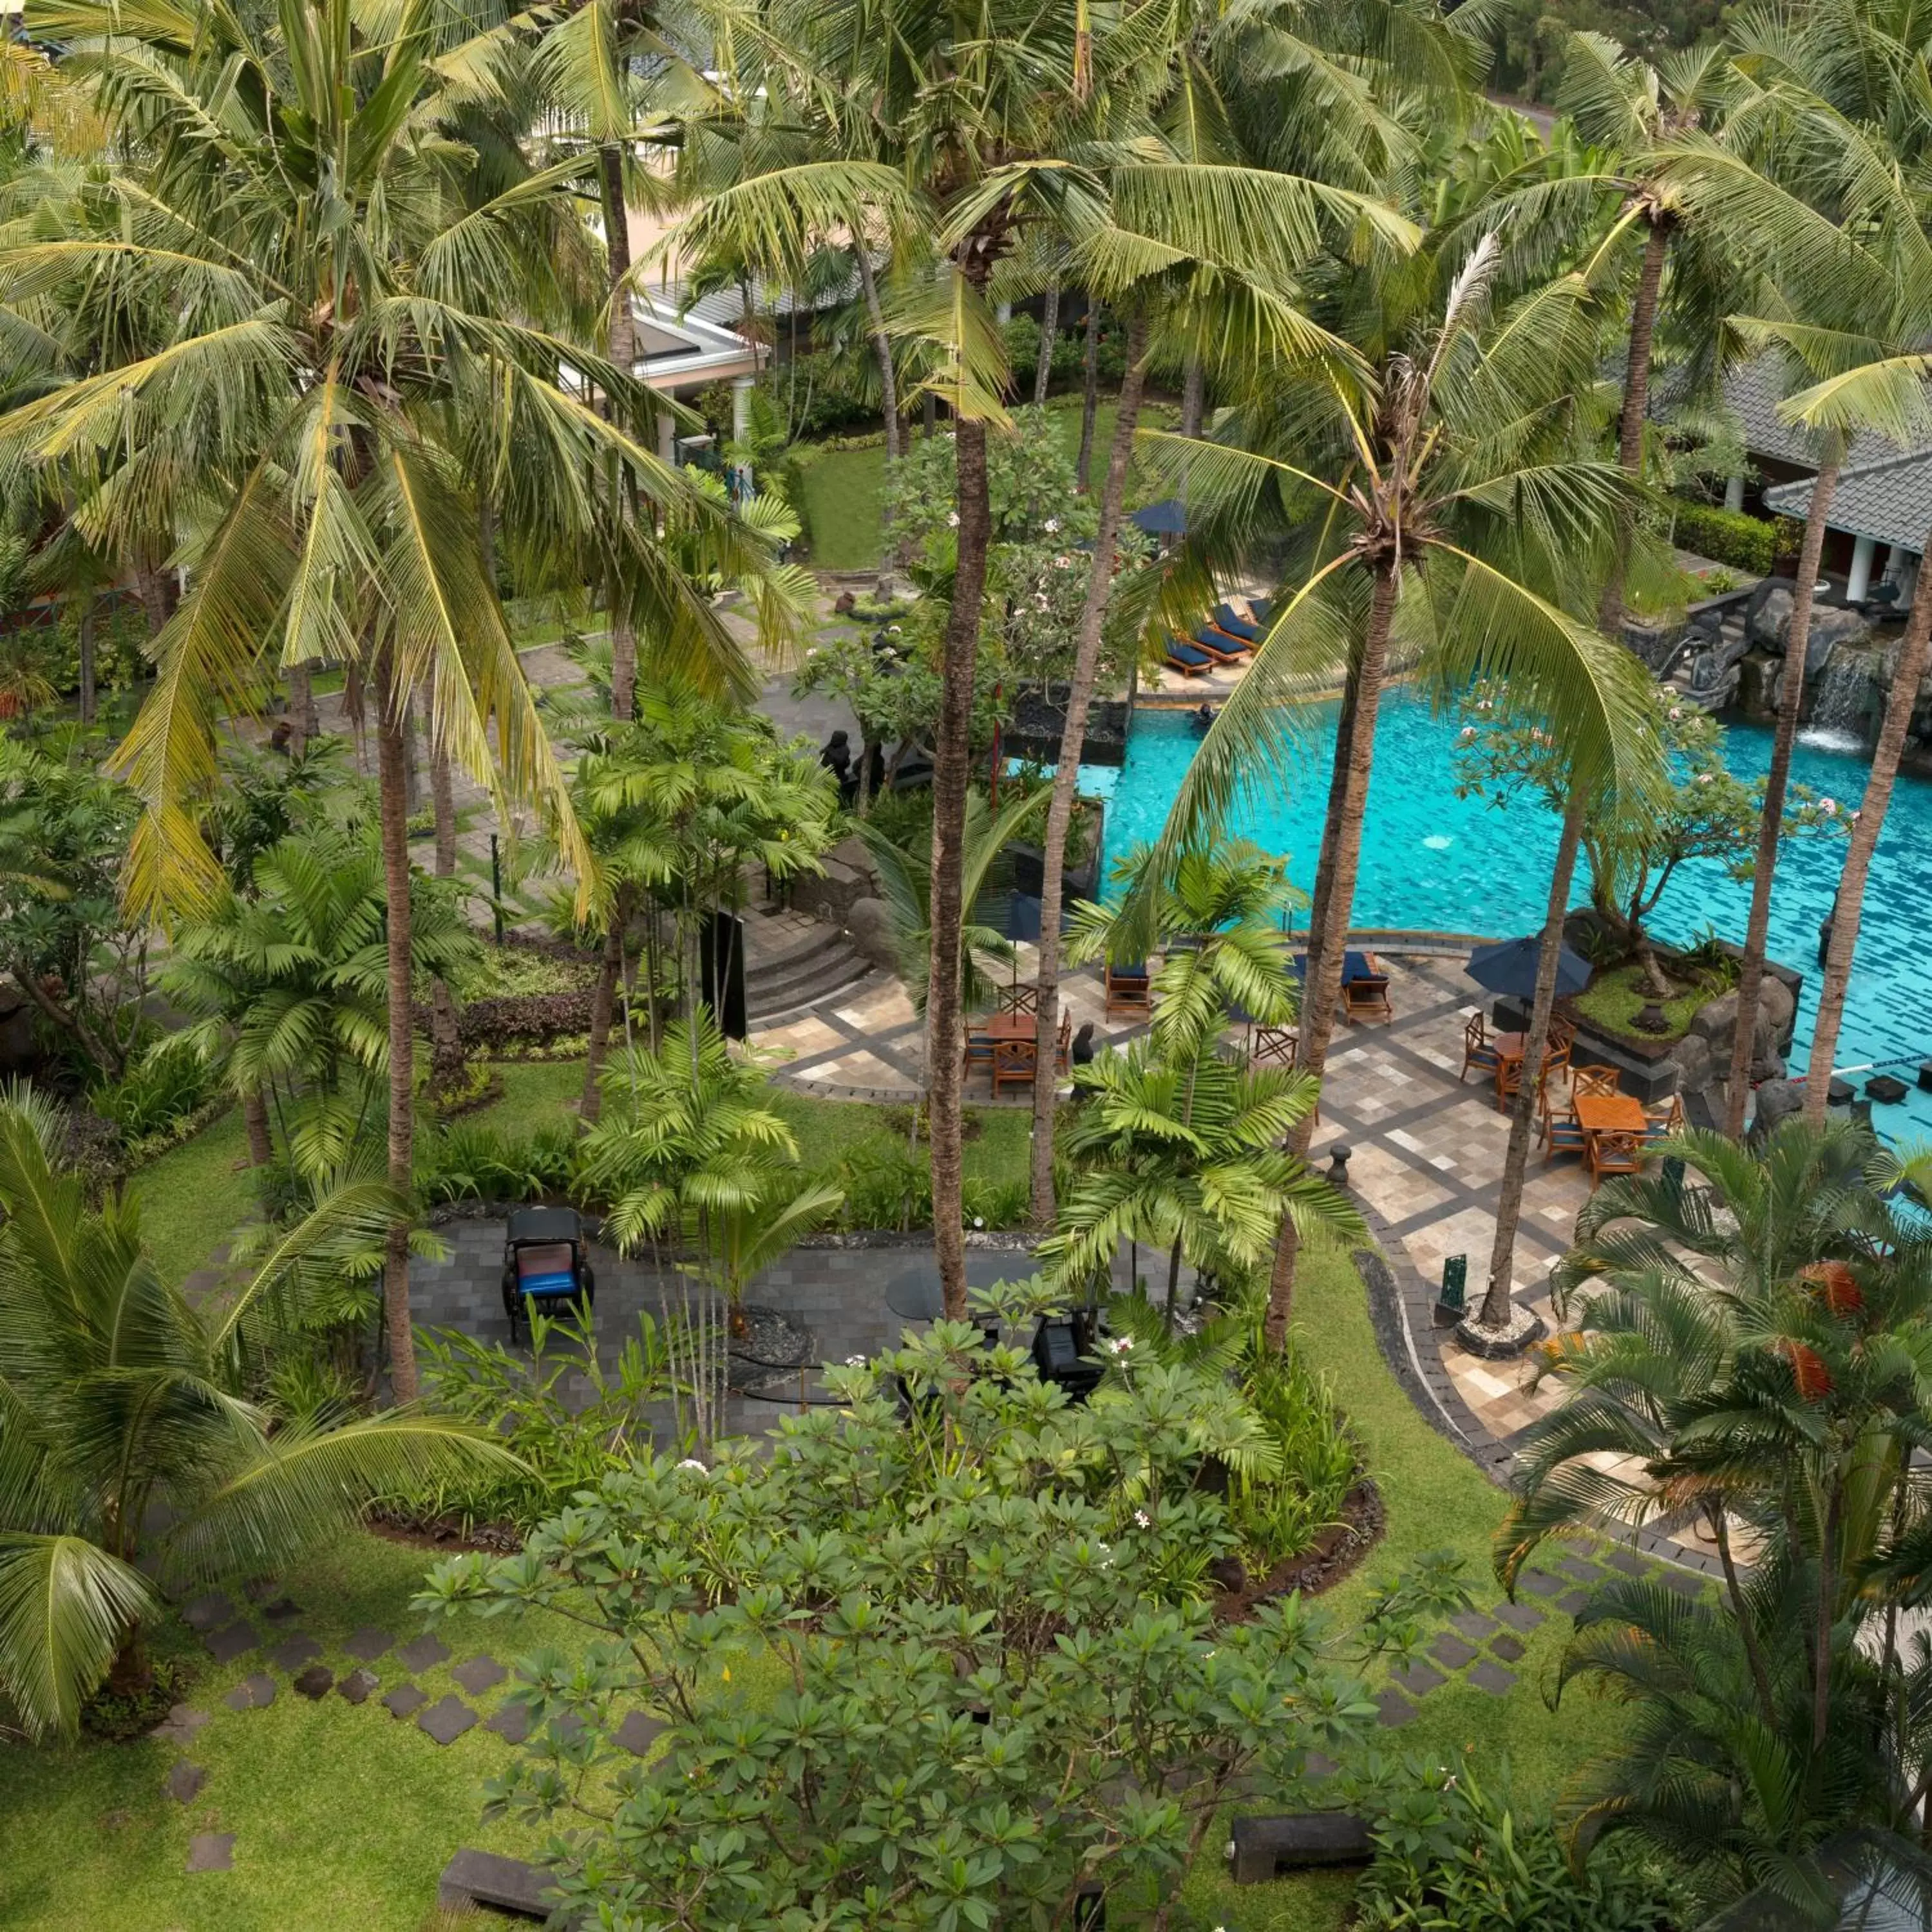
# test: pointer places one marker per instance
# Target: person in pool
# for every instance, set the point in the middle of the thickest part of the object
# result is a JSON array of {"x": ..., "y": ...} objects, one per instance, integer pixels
[{"x": 1203, "y": 716}]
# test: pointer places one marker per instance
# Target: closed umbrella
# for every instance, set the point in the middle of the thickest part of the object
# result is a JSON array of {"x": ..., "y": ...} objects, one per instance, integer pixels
[{"x": 1509, "y": 967}]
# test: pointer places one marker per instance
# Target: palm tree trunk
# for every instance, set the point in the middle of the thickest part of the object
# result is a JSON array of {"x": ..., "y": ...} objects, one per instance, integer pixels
[
  {"x": 391, "y": 708},
  {"x": 1049, "y": 334},
  {"x": 1496, "y": 1310},
  {"x": 89, "y": 696},
  {"x": 603, "y": 1005},
  {"x": 617, "y": 245},
  {"x": 1341, "y": 857},
  {"x": 1913, "y": 654},
  {"x": 1791, "y": 699},
  {"x": 882, "y": 348},
  {"x": 1066, "y": 772},
  {"x": 446, "y": 1038},
  {"x": 1636, "y": 400},
  {"x": 255, "y": 1117},
  {"x": 1193, "y": 397},
  {"x": 1090, "y": 399},
  {"x": 302, "y": 720},
  {"x": 952, "y": 752}
]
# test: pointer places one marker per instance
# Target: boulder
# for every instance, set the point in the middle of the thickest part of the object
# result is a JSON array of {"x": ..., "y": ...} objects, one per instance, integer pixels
[
  {"x": 1696, "y": 1067},
  {"x": 1833, "y": 628},
  {"x": 1777, "y": 1100},
  {"x": 1769, "y": 622},
  {"x": 849, "y": 875},
  {"x": 1778, "y": 1006},
  {"x": 868, "y": 924}
]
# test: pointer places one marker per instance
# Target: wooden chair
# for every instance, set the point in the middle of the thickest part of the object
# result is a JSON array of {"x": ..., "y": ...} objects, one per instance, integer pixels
[
  {"x": 1273, "y": 1046},
  {"x": 1601, "y": 1081},
  {"x": 978, "y": 1055},
  {"x": 1664, "y": 1122},
  {"x": 1613, "y": 1153},
  {"x": 1563, "y": 1134},
  {"x": 1021, "y": 996},
  {"x": 1556, "y": 1060},
  {"x": 1012, "y": 1064},
  {"x": 1128, "y": 989},
  {"x": 1563, "y": 1034},
  {"x": 1476, "y": 1051},
  {"x": 1509, "y": 1082},
  {"x": 1062, "y": 1048},
  {"x": 1367, "y": 996}
]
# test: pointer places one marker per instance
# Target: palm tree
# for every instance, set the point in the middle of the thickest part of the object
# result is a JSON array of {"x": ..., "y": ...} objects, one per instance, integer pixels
[
  {"x": 960, "y": 154},
  {"x": 126, "y": 1406},
  {"x": 363, "y": 342},
  {"x": 1460, "y": 530}
]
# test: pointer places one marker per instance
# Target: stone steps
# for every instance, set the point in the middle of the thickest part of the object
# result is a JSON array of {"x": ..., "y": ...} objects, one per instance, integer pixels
[{"x": 794, "y": 965}]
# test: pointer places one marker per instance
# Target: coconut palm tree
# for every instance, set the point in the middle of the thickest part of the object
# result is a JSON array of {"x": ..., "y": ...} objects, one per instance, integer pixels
[
  {"x": 1456, "y": 516},
  {"x": 363, "y": 345},
  {"x": 126, "y": 1405},
  {"x": 958, "y": 155}
]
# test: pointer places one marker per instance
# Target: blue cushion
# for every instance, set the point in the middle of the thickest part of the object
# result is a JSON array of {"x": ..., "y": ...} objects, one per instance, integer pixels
[
  {"x": 1565, "y": 1133},
  {"x": 1237, "y": 627},
  {"x": 1187, "y": 655},
  {"x": 549, "y": 1284},
  {"x": 1216, "y": 645}
]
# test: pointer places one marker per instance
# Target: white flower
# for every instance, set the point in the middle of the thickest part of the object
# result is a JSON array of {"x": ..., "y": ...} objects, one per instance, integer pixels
[
  {"x": 692, "y": 1463},
  {"x": 893, "y": 630},
  {"x": 855, "y": 1361},
  {"x": 1062, "y": 563},
  {"x": 1119, "y": 1345},
  {"x": 811, "y": 651},
  {"x": 1467, "y": 732},
  {"x": 1704, "y": 778},
  {"x": 1052, "y": 525},
  {"x": 1854, "y": 818},
  {"x": 1142, "y": 1517},
  {"x": 1829, "y": 807},
  {"x": 952, "y": 520},
  {"x": 979, "y": 1221},
  {"x": 1676, "y": 713}
]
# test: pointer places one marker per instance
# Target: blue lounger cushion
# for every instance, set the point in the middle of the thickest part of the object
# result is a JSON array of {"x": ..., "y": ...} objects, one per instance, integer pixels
[
  {"x": 1234, "y": 625},
  {"x": 548, "y": 1284},
  {"x": 1187, "y": 655},
  {"x": 1223, "y": 650}
]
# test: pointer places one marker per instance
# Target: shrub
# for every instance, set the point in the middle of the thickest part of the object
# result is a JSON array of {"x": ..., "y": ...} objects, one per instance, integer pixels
[
  {"x": 474, "y": 1160},
  {"x": 168, "y": 1081},
  {"x": 885, "y": 1187},
  {"x": 1280, "y": 1516},
  {"x": 1452, "y": 1857},
  {"x": 1727, "y": 536}
]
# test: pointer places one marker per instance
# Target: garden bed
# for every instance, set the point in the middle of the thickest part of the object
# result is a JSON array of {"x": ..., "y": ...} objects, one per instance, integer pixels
[{"x": 1610, "y": 1003}]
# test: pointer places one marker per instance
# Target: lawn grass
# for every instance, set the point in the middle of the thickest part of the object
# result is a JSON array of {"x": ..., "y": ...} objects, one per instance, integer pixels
[
  {"x": 844, "y": 490},
  {"x": 1436, "y": 1499},
  {"x": 342, "y": 1816},
  {"x": 194, "y": 1196}
]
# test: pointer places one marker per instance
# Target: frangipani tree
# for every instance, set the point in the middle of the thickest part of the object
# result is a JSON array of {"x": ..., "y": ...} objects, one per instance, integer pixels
[
  {"x": 121, "y": 1404},
  {"x": 365, "y": 347}
]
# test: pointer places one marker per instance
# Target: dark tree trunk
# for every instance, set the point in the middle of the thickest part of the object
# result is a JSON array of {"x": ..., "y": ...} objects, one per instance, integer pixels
[
  {"x": 1049, "y": 334},
  {"x": 1067, "y": 773},
  {"x": 1193, "y": 397},
  {"x": 1790, "y": 702},
  {"x": 603, "y": 1006},
  {"x": 1090, "y": 398},
  {"x": 447, "y": 1058},
  {"x": 1850, "y": 906},
  {"x": 255, "y": 1117},
  {"x": 1321, "y": 983},
  {"x": 882, "y": 349},
  {"x": 1496, "y": 1305},
  {"x": 617, "y": 245},
  {"x": 390, "y": 758},
  {"x": 1636, "y": 400},
  {"x": 159, "y": 592},
  {"x": 303, "y": 723},
  {"x": 951, "y": 763}
]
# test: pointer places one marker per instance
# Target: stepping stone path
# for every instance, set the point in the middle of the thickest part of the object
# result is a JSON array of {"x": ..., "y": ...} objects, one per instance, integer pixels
[
  {"x": 283, "y": 1610},
  {"x": 211, "y": 1851},
  {"x": 638, "y": 1732},
  {"x": 356, "y": 1687},
  {"x": 511, "y": 1724},
  {"x": 232, "y": 1641},
  {"x": 184, "y": 1781},
  {"x": 1395, "y": 1708},
  {"x": 446, "y": 1720},
  {"x": 254, "y": 1693},
  {"x": 1523, "y": 1617},
  {"x": 404, "y": 1701},
  {"x": 368, "y": 1643},
  {"x": 1492, "y": 1677},
  {"x": 316, "y": 1682},
  {"x": 1449, "y": 1651},
  {"x": 423, "y": 1653},
  {"x": 208, "y": 1613},
  {"x": 1509, "y": 1649},
  {"x": 179, "y": 1726},
  {"x": 292, "y": 1652},
  {"x": 479, "y": 1674},
  {"x": 1418, "y": 1679}
]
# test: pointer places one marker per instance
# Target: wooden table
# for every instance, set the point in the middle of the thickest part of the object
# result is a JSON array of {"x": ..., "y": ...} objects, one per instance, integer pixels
[
  {"x": 1610, "y": 1114},
  {"x": 997, "y": 1027}
]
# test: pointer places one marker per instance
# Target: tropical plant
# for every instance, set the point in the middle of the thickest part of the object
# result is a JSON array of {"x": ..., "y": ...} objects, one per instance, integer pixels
[
  {"x": 1753, "y": 1345},
  {"x": 124, "y": 1408},
  {"x": 360, "y": 343},
  {"x": 981, "y": 1684}
]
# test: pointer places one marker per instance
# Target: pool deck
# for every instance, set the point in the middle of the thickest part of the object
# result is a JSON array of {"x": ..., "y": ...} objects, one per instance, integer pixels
[{"x": 1426, "y": 1165}]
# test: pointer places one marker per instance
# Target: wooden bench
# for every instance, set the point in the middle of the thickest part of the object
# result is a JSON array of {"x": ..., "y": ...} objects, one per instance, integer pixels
[
  {"x": 487, "y": 1878},
  {"x": 1261, "y": 1848}
]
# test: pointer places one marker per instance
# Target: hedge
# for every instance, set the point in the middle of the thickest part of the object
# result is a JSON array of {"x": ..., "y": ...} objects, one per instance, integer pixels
[{"x": 1729, "y": 536}]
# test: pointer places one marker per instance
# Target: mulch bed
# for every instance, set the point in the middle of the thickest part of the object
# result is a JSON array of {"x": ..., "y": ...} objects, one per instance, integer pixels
[{"x": 1334, "y": 1555}]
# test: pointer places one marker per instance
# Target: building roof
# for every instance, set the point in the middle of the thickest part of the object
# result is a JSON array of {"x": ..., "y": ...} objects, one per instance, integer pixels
[
  {"x": 684, "y": 347},
  {"x": 1889, "y": 501}
]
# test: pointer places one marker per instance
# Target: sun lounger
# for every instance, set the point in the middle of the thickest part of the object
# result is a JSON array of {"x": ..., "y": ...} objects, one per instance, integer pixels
[
  {"x": 1222, "y": 650},
  {"x": 1187, "y": 660},
  {"x": 1228, "y": 619}
]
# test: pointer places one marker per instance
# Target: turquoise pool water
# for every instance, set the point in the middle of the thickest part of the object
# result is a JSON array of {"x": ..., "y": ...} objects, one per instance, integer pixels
[{"x": 1431, "y": 860}]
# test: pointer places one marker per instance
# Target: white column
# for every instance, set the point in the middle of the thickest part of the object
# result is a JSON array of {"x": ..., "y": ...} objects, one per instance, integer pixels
[
  {"x": 666, "y": 437},
  {"x": 1859, "y": 583},
  {"x": 1004, "y": 314},
  {"x": 1734, "y": 494},
  {"x": 741, "y": 408}
]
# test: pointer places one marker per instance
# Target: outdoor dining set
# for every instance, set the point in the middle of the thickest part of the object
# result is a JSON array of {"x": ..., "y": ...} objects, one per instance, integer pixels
[{"x": 1614, "y": 1132}]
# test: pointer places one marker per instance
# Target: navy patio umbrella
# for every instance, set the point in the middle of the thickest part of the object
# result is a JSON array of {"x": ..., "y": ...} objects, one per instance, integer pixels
[
  {"x": 1509, "y": 967},
  {"x": 1167, "y": 518}
]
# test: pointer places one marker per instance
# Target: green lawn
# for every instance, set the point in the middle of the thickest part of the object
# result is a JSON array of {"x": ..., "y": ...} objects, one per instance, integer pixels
[
  {"x": 194, "y": 1196},
  {"x": 844, "y": 504}
]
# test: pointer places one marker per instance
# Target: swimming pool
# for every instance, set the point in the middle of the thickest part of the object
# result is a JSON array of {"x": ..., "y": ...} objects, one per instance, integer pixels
[{"x": 1431, "y": 860}]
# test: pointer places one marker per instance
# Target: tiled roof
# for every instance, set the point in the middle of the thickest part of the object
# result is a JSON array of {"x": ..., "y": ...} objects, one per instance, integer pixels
[
  {"x": 1890, "y": 501},
  {"x": 1753, "y": 390}
]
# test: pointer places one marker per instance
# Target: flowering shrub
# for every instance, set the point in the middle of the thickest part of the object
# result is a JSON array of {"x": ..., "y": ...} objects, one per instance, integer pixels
[{"x": 940, "y": 1657}]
